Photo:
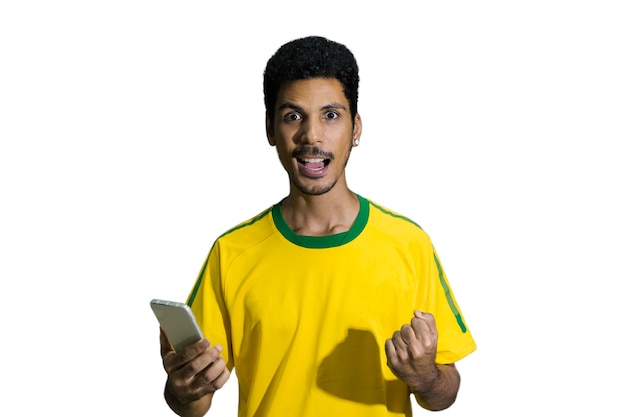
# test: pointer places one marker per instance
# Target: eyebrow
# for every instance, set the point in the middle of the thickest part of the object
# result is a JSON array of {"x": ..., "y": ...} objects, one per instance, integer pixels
[
  {"x": 334, "y": 106},
  {"x": 328, "y": 106}
]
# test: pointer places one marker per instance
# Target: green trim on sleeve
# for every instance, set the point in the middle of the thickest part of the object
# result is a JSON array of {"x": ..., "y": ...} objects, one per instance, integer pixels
[
  {"x": 451, "y": 303},
  {"x": 392, "y": 214},
  {"x": 196, "y": 287},
  {"x": 248, "y": 223},
  {"x": 444, "y": 284}
]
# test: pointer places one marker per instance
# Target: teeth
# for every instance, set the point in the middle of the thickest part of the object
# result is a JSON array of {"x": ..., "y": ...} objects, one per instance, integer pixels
[{"x": 313, "y": 160}]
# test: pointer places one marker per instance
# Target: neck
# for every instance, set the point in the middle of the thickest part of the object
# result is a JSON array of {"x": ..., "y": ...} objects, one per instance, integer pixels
[{"x": 320, "y": 215}]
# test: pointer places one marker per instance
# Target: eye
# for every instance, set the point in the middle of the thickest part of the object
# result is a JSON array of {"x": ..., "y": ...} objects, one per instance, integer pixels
[
  {"x": 331, "y": 115},
  {"x": 292, "y": 117}
]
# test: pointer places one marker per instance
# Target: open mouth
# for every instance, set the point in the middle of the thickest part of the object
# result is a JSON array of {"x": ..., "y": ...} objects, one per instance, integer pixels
[{"x": 313, "y": 163}]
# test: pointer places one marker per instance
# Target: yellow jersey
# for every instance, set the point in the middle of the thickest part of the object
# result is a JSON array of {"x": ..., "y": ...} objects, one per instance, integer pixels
[{"x": 303, "y": 319}]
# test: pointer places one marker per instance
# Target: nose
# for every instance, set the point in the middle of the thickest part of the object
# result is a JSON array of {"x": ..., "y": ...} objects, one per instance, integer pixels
[{"x": 311, "y": 131}]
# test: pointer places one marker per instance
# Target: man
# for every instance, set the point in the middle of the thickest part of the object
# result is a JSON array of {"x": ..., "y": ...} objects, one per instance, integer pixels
[{"x": 327, "y": 304}]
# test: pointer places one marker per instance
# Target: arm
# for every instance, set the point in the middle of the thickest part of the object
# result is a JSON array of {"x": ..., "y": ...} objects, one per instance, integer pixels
[
  {"x": 443, "y": 391},
  {"x": 193, "y": 376},
  {"x": 411, "y": 357}
]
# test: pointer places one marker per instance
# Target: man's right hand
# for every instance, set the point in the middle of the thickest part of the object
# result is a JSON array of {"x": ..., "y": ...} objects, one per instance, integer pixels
[{"x": 193, "y": 375}]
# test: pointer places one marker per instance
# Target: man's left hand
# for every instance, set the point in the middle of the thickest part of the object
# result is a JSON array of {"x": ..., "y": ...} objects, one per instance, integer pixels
[{"x": 411, "y": 352}]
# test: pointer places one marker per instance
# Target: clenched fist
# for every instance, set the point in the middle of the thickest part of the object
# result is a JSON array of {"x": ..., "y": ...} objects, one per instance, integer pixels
[{"x": 411, "y": 352}]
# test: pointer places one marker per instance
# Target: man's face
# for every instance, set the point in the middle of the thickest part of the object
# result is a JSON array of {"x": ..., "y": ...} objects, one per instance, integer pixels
[{"x": 313, "y": 133}]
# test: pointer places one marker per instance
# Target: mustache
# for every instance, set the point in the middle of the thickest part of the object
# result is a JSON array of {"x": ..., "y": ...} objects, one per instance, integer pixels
[{"x": 311, "y": 151}]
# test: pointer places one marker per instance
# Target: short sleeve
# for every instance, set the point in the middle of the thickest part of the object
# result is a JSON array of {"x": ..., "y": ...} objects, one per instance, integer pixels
[
  {"x": 455, "y": 339},
  {"x": 207, "y": 302}
]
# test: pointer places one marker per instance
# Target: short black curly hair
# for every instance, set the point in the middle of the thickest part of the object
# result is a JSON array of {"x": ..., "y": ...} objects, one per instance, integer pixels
[{"x": 310, "y": 57}]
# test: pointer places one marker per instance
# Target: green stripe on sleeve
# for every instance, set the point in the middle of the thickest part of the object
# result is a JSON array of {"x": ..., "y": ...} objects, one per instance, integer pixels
[
  {"x": 196, "y": 287},
  {"x": 451, "y": 303}
]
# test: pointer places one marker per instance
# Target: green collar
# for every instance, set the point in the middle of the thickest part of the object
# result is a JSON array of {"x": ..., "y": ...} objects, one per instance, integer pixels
[{"x": 321, "y": 242}]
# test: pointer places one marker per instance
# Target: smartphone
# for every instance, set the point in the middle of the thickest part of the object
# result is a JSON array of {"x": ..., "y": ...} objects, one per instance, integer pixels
[{"x": 178, "y": 322}]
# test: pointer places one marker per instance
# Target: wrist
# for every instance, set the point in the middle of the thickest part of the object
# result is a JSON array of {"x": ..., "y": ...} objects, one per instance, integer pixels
[
  {"x": 439, "y": 392},
  {"x": 426, "y": 382},
  {"x": 171, "y": 398}
]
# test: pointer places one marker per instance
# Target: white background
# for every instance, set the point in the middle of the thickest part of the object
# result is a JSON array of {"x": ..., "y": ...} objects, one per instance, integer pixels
[{"x": 132, "y": 134}]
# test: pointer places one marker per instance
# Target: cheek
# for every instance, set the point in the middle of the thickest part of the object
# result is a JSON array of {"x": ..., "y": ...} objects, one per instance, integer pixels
[{"x": 284, "y": 154}]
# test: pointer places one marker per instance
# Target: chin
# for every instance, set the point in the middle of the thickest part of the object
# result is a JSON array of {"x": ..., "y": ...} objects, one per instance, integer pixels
[{"x": 314, "y": 189}]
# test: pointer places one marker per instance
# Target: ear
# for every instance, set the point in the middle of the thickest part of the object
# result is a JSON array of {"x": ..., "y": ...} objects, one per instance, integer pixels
[
  {"x": 269, "y": 132},
  {"x": 357, "y": 128}
]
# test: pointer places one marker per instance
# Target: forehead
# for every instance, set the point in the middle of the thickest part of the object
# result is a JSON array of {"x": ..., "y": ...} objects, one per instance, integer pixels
[{"x": 313, "y": 92}]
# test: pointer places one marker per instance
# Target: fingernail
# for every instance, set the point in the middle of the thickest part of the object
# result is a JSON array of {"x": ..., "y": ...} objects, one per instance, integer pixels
[{"x": 219, "y": 348}]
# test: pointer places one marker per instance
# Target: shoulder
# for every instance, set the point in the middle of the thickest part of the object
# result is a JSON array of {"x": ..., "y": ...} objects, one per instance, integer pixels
[
  {"x": 393, "y": 223},
  {"x": 247, "y": 233},
  {"x": 391, "y": 215},
  {"x": 250, "y": 224}
]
